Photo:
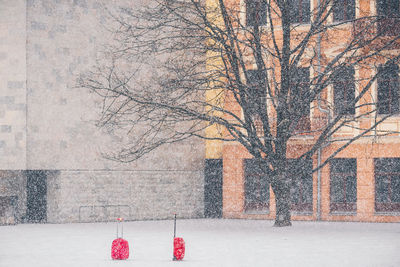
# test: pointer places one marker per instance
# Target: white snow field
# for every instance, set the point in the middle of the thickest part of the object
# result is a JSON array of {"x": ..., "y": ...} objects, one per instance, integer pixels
[{"x": 230, "y": 243}]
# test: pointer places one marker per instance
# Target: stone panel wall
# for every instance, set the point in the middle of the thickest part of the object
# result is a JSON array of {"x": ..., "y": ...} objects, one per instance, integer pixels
[
  {"x": 63, "y": 40},
  {"x": 13, "y": 185},
  {"x": 83, "y": 196},
  {"x": 12, "y": 84},
  {"x": 48, "y": 123}
]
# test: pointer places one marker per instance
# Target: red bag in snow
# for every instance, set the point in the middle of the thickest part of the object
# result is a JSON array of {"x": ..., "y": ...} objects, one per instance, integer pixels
[
  {"x": 179, "y": 248},
  {"x": 120, "y": 247}
]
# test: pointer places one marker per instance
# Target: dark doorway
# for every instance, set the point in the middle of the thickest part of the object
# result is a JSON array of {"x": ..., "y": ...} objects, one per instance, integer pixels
[
  {"x": 213, "y": 188},
  {"x": 36, "y": 196}
]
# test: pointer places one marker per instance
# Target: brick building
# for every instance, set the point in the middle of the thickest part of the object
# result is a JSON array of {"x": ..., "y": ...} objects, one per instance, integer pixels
[
  {"x": 51, "y": 164},
  {"x": 362, "y": 182}
]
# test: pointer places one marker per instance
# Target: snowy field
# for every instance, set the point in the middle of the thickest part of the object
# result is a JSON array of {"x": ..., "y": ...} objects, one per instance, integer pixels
[{"x": 208, "y": 243}]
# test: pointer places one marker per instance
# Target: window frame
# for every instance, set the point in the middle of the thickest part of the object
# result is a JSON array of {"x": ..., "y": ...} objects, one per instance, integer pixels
[
  {"x": 300, "y": 184},
  {"x": 348, "y": 87},
  {"x": 257, "y": 204},
  {"x": 344, "y": 11},
  {"x": 252, "y": 18},
  {"x": 304, "y": 123},
  {"x": 255, "y": 82},
  {"x": 388, "y": 18},
  {"x": 337, "y": 173},
  {"x": 382, "y": 96},
  {"x": 302, "y": 14},
  {"x": 389, "y": 205}
]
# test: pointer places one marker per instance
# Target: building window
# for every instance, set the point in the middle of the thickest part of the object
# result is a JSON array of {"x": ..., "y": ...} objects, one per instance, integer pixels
[
  {"x": 256, "y": 97},
  {"x": 300, "y": 90},
  {"x": 299, "y": 11},
  {"x": 256, "y": 87},
  {"x": 388, "y": 89},
  {"x": 302, "y": 186},
  {"x": 256, "y": 12},
  {"x": 343, "y": 185},
  {"x": 388, "y": 17},
  {"x": 344, "y": 91},
  {"x": 387, "y": 185},
  {"x": 256, "y": 186},
  {"x": 344, "y": 10}
]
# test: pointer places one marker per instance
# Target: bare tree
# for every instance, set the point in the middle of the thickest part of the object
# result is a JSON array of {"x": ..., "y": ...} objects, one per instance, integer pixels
[{"x": 257, "y": 72}]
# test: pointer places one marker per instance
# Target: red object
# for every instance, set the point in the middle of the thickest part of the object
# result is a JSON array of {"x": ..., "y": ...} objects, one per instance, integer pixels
[
  {"x": 119, "y": 249},
  {"x": 179, "y": 248}
]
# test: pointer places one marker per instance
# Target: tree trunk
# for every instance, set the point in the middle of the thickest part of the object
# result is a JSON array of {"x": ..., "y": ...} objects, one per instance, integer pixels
[{"x": 282, "y": 199}]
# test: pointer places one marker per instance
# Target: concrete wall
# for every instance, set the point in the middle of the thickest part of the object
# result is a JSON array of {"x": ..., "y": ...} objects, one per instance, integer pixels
[
  {"x": 12, "y": 84},
  {"x": 84, "y": 196},
  {"x": 48, "y": 123},
  {"x": 12, "y": 185}
]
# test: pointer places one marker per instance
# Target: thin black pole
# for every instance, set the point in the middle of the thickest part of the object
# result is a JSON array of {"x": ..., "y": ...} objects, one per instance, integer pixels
[
  {"x": 175, "y": 226},
  {"x": 173, "y": 256}
]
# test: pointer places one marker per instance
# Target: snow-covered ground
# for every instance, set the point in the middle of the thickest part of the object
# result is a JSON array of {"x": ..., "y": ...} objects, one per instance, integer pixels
[{"x": 228, "y": 243}]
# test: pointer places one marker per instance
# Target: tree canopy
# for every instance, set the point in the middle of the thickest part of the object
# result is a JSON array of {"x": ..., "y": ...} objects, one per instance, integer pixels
[{"x": 254, "y": 72}]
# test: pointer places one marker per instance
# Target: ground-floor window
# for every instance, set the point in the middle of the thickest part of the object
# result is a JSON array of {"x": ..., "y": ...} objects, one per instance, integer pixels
[
  {"x": 256, "y": 186},
  {"x": 302, "y": 186},
  {"x": 387, "y": 185},
  {"x": 343, "y": 185}
]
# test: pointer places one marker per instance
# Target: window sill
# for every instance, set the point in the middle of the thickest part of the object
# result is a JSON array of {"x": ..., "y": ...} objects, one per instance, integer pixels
[
  {"x": 257, "y": 212},
  {"x": 343, "y": 213},
  {"x": 302, "y": 213},
  {"x": 394, "y": 115},
  {"x": 261, "y": 26},
  {"x": 387, "y": 213},
  {"x": 301, "y": 24},
  {"x": 302, "y": 136},
  {"x": 342, "y": 24}
]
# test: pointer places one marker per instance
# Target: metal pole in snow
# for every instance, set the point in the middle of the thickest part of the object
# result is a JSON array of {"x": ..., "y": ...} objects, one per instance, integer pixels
[
  {"x": 122, "y": 227},
  {"x": 175, "y": 225}
]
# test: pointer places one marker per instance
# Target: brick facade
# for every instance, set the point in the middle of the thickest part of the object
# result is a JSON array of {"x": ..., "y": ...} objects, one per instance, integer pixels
[{"x": 364, "y": 151}]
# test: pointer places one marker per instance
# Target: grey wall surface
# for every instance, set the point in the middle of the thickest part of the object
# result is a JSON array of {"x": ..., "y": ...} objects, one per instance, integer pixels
[
  {"x": 48, "y": 123},
  {"x": 84, "y": 196},
  {"x": 12, "y": 84}
]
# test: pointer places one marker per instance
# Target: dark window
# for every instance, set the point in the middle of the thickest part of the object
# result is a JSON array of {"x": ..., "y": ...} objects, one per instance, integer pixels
[
  {"x": 343, "y": 185},
  {"x": 256, "y": 12},
  {"x": 388, "y": 89},
  {"x": 256, "y": 97},
  {"x": 344, "y": 10},
  {"x": 299, "y": 11},
  {"x": 344, "y": 88},
  {"x": 256, "y": 185},
  {"x": 302, "y": 185},
  {"x": 256, "y": 87},
  {"x": 388, "y": 17},
  {"x": 387, "y": 184},
  {"x": 388, "y": 8},
  {"x": 300, "y": 92}
]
